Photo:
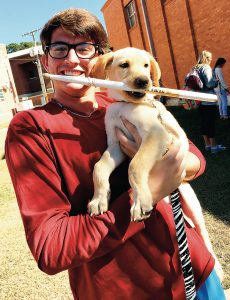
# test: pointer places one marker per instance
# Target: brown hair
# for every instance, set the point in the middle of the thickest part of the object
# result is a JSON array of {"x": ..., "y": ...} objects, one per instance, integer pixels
[{"x": 76, "y": 21}]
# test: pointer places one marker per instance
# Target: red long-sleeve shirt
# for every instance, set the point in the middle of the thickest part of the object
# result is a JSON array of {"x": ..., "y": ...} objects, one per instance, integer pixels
[{"x": 50, "y": 155}]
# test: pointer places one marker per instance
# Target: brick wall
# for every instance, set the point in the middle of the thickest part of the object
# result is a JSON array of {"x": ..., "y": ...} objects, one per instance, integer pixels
[
  {"x": 115, "y": 24},
  {"x": 179, "y": 29}
]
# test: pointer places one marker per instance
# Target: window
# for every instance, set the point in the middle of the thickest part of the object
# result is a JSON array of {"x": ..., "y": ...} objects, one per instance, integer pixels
[{"x": 131, "y": 15}]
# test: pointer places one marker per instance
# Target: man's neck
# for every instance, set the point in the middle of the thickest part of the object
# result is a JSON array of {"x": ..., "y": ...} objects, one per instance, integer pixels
[{"x": 84, "y": 104}]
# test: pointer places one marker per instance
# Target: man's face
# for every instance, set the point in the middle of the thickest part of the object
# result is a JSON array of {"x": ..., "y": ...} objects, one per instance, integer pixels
[{"x": 70, "y": 65}]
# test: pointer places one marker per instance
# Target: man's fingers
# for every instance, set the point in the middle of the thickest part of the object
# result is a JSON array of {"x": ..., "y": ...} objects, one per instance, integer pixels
[
  {"x": 121, "y": 136},
  {"x": 128, "y": 146},
  {"x": 133, "y": 131}
]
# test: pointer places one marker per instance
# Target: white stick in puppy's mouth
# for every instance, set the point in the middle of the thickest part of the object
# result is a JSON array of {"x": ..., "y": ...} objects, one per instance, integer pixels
[{"x": 121, "y": 86}]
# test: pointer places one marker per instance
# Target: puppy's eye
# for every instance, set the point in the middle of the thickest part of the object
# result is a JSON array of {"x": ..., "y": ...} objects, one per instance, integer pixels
[
  {"x": 124, "y": 65},
  {"x": 146, "y": 65}
]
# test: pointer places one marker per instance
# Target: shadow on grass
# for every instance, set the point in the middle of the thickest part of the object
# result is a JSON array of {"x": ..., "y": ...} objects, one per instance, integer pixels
[{"x": 213, "y": 187}]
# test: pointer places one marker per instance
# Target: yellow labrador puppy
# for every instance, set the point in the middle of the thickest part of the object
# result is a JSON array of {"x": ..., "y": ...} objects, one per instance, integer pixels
[{"x": 156, "y": 126}]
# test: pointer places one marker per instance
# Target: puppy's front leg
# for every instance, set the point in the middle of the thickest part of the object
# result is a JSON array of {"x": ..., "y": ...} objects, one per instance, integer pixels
[
  {"x": 110, "y": 159},
  {"x": 151, "y": 150}
]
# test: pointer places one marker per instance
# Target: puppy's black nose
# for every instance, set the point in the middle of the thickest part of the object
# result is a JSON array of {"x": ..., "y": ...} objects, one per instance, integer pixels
[{"x": 141, "y": 82}]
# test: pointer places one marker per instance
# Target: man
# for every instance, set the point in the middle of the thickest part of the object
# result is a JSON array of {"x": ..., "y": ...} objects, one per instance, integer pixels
[{"x": 51, "y": 152}]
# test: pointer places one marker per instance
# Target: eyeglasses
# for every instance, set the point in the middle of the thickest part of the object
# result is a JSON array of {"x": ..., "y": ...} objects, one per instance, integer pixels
[{"x": 60, "y": 50}]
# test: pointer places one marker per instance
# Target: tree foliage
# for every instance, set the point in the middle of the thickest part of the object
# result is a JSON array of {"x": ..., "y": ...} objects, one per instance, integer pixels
[{"x": 13, "y": 47}]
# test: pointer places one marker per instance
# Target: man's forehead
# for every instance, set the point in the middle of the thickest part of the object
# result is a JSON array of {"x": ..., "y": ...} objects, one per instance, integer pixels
[{"x": 62, "y": 35}]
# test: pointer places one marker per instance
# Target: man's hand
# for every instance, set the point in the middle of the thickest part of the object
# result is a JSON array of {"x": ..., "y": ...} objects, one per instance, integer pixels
[
  {"x": 129, "y": 147},
  {"x": 168, "y": 173}
]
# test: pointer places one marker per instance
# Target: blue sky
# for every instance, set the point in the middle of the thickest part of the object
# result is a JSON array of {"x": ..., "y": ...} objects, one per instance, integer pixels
[{"x": 22, "y": 16}]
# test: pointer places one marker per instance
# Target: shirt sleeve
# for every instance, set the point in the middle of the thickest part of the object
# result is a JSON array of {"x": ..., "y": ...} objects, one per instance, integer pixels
[{"x": 58, "y": 240}]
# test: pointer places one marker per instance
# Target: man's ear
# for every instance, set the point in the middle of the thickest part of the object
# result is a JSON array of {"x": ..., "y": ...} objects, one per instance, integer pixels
[
  {"x": 103, "y": 61},
  {"x": 44, "y": 60}
]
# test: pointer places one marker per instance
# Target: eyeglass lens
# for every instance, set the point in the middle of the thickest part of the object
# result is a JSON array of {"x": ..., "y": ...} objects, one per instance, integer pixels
[{"x": 83, "y": 50}]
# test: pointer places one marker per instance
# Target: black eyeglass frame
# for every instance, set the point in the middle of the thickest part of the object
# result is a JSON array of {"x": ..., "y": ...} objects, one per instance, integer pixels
[{"x": 73, "y": 46}]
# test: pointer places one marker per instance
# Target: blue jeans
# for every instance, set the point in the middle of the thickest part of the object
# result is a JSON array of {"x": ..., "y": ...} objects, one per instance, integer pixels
[
  {"x": 223, "y": 103},
  {"x": 211, "y": 289}
]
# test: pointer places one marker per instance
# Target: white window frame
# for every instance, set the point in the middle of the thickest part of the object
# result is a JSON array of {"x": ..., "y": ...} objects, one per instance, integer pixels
[{"x": 131, "y": 14}]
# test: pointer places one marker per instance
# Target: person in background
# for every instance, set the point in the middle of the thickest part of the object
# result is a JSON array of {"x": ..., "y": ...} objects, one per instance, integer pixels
[
  {"x": 51, "y": 152},
  {"x": 222, "y": 89},
  {"x": 208, "y": 110}
]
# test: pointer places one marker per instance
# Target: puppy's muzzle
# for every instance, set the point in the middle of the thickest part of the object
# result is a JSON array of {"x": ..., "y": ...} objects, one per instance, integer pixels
[{"x": 141, "y": 83}]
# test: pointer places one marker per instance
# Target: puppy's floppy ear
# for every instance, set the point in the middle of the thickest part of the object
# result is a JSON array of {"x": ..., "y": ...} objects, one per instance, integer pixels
[
  {"x": 99, "y": 69},
  {"x": 155, "y": 71}
]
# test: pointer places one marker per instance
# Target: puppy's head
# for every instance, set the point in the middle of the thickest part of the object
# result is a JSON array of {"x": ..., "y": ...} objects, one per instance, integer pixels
[{"x": 134, "y": 67}]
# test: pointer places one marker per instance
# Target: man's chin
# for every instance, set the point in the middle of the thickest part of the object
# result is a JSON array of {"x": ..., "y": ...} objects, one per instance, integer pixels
[
  {"x": 75, "y": 86},
  {"x": 76, "y": 90}
]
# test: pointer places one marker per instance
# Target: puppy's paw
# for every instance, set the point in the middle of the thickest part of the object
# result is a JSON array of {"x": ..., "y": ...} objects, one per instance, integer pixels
[
  {"x": 139, "y": 212},
  {"x": 97, "y": 206}
]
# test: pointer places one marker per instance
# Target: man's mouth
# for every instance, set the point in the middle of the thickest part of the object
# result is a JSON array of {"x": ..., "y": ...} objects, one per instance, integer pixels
[
  {"x": 137, "y": 95},
  {"x": 71, "y": 73}
]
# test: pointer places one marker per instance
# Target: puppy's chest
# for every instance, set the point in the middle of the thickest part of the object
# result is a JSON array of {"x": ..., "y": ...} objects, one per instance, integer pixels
[
  {"x": 138, "y": 114},
  {"x": 146, "y": 118}
]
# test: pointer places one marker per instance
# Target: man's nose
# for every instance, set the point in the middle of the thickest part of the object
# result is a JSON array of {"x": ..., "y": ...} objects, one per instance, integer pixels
[{"x": 72, "y": 56}]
